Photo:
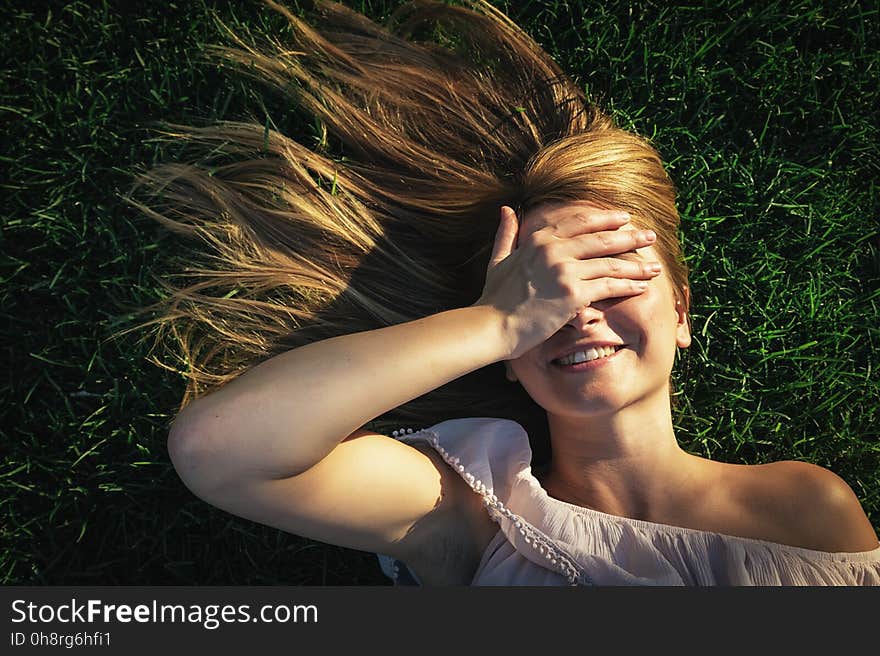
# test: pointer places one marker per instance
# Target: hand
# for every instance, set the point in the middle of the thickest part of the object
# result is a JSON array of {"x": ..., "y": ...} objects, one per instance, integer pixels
[{"x": 541, "y": 283}]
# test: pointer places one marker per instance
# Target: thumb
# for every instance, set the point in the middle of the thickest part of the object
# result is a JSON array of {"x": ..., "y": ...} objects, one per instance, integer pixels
[{"x": 505, "y": 238}]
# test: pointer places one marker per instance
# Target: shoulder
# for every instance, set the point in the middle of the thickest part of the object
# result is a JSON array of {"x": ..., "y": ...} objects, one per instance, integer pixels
[{"x": 815, "y": 507}]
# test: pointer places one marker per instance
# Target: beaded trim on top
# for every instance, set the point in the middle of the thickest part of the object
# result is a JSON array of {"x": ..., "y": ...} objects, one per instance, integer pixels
[{"x": 558, "y": 560}]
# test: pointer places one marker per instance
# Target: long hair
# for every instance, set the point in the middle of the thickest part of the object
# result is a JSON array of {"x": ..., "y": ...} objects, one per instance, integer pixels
[{"x": 304, "y": 245}]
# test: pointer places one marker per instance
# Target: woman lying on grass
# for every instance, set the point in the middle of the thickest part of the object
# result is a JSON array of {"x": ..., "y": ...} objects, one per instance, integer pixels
[{"x": 472, "y": 170}]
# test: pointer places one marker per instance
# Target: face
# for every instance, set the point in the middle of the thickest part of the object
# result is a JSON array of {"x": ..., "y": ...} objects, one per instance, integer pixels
[{"x": 651, "y": 325}]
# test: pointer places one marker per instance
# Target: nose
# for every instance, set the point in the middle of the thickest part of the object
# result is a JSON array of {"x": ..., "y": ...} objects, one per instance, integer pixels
[{"x": 590, "y": 316}]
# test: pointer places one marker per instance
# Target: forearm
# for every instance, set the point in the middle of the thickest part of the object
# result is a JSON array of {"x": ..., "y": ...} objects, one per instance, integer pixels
[{"x": 284, "y": 415}]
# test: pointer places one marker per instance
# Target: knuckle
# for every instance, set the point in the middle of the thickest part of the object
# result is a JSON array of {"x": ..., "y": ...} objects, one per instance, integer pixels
[
  {"x": 534, "y": 239},
  {"x": 545, "y": 255},
  {"x": 605, "y": 241},
  {"x": 559, "y": 270}
]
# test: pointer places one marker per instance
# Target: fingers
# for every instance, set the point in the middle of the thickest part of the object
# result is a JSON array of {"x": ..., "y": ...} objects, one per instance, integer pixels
[
  {"x": 587, "y": 221},
  {"x": 613, "y": 277},
  {"x": 602, "y": 288},
  {"x": 590, "y": 232},
  {"x": 599, "y": 244},
  {"x": 505, "y": 237},
  {"x": 610, "y": 267}
]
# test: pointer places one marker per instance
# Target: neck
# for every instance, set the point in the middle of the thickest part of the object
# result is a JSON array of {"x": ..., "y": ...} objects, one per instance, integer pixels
[{"x": 627, "y": 462}]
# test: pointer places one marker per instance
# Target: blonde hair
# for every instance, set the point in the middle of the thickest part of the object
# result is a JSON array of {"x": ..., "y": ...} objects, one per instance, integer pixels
[{"x": 304, "y": 246}]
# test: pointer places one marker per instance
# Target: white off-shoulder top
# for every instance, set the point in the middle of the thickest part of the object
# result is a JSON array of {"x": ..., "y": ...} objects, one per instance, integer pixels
[{"x": 545, "y": 541}]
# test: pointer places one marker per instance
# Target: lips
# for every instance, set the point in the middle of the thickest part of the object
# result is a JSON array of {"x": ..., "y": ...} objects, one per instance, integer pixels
[
  {"x": 575, "y": 348},
  {"x": 588, "y": 365}
]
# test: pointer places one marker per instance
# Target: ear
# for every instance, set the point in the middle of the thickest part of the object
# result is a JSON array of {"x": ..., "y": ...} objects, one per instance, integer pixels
[
  {"x": 682, "y": 329},
  {"x": 509, "y": 373}
]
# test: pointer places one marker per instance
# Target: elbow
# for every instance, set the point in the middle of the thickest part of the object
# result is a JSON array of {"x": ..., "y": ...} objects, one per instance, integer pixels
[
  {"x": 193, "y": 455},
  {"x": 183, "y": 440}
]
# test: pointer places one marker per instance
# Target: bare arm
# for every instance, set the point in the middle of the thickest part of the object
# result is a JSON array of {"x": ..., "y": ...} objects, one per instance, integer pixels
[{"x": 286, "y": 414}]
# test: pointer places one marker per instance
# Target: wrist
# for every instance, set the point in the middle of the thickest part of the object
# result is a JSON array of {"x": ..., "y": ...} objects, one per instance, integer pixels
[{"x": 498, "y": 329}]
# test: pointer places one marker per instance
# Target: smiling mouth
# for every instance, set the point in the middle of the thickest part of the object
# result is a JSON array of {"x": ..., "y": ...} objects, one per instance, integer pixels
[{"x": 587, "y": 356}]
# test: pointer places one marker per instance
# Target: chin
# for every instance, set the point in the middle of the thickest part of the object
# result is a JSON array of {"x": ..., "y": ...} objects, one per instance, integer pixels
[{"x": 587, "y": 405}]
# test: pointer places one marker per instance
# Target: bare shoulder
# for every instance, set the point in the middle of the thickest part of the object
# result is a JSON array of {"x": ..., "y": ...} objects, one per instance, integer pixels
[{"x": 813, "y": 506}]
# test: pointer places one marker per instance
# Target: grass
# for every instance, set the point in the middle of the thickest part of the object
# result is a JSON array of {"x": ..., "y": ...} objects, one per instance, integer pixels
[{"x": 765, "y": 115}]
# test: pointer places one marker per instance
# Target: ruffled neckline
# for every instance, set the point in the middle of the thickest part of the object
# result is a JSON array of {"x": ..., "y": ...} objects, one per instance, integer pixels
[
  {"x": 583, "y": 544},
  {"x": 548, "y": 503}
]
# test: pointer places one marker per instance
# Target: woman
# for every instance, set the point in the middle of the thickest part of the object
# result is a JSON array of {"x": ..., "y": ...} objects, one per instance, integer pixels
[{"x": 585, "y": 260}]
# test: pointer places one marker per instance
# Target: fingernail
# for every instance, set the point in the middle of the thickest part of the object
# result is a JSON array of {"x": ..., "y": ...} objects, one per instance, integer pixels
[{"x": 650, "y": 235}]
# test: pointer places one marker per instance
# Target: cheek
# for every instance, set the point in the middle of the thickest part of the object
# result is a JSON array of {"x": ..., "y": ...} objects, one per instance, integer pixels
[
  {"x": 660, "y": 325},
  {"x": 660, "y": 298},
  {"x": 654, "y": 314},
  {"x": 530, "y": 367},
  {"x": 656, "y": 311}
]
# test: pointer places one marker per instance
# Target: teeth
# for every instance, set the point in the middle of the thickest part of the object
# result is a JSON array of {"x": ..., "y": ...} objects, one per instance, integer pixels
[{"x": 586, "y": 356}]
